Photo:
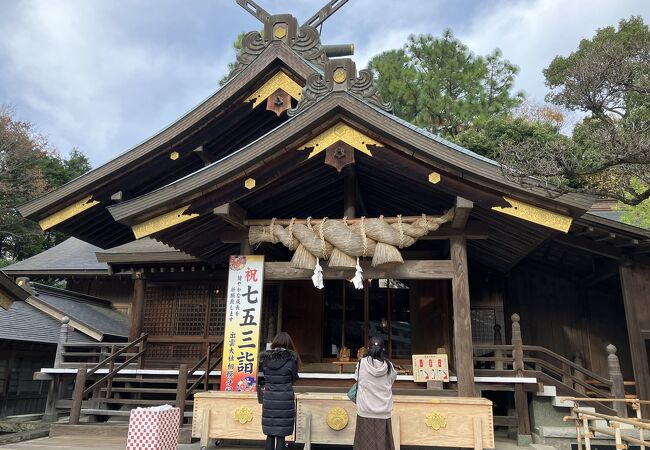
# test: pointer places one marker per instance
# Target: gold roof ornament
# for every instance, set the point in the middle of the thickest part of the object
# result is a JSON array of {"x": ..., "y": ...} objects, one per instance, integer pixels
[
  {"x": 340, "y": 132},
  {"x": 278, "y": 81},
  {"x": 162, "y": 222},
  {"x": 67, "y": 212},
  {"x": 535, "y": 214}
]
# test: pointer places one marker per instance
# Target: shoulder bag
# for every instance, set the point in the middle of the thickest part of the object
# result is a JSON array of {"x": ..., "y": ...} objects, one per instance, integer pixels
[{"x": 352, "y": 393}]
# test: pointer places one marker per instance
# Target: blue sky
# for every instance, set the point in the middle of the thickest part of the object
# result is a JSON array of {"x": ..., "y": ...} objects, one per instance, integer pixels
[{"x": 103, "y": 75}]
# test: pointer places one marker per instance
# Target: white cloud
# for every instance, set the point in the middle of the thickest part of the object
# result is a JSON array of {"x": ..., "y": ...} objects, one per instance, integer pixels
[
  {"x": 532, "y": 33},
  {"x": 104, "y": 75}
]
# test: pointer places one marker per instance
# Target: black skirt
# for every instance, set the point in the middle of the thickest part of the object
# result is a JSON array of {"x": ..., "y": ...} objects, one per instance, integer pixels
[{"x": 373, "y": 434}]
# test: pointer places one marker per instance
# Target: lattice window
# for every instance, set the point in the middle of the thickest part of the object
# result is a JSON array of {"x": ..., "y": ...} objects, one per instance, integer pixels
[
  {"x": 191, "y": 310},
  {"x": 160, "y": 310},
  {"x": 217, "y": 319},
  {"x": 157, "y": 351},
  {"x": 483, "y": 321}
]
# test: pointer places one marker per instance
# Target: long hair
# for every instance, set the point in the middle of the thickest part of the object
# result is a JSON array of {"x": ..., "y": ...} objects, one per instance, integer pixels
[
  {"x": 283, "y": 340},
  {"x": 377, "y": 351}
]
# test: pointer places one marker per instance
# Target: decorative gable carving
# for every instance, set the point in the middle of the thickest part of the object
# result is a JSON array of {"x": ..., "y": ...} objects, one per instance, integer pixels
[{"x": 340, "y": 75}]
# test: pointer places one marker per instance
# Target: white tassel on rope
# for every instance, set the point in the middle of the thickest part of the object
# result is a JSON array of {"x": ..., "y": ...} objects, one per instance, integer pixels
[
  {"x": 357, "y": 280},
  {"x": 317, "y": 277}
]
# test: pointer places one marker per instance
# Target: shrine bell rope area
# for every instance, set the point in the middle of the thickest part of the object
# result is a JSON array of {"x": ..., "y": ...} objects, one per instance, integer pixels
[{"x": 342, "y": 241}]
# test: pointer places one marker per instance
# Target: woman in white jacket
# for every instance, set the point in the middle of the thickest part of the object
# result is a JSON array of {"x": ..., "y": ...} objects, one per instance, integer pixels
[{"x": 375, "y": 376}]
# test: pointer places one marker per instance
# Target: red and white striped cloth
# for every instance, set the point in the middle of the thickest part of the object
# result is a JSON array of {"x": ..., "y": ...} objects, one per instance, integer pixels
[{"x": 153, "y": 428}]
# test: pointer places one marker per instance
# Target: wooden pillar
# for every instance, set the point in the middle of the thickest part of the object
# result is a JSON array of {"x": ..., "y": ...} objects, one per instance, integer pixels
[
  {"x": 635, "y": 284},
  {"x": 181, "y": 390},
  {"x": 517, "y": 346},
  {"x": 349, "y": 192},
  {"x": 616, "y": 377},
  {"x": 464, "y": 356},
  {"x": 137, "y": 307}
]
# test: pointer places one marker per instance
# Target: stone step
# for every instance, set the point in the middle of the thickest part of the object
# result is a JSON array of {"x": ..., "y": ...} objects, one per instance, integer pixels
[
  {"x": 558, "y": 403},
  {"x": 541, "y": 447},
  {"x": 547, "y": 391}
]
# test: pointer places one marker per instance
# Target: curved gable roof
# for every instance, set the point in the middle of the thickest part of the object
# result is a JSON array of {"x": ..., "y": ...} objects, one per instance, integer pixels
[{"x": 109, "y": 178}]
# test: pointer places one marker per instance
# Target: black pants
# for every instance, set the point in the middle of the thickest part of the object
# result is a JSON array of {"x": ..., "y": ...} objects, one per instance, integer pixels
[{"x": 274, "y": 443}]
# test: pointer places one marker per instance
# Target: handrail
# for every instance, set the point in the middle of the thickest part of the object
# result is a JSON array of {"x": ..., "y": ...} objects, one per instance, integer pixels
[
  {"x": 625, "y": 400},
  {"x": 536, "y": 348},
  {"x": 586, "y": 431},
  {"x": 118, "y": 353},
  {"x": 558, "y": 371},
  {"x": 82, "y": 374},
  {"x": 211, "y": 350}
]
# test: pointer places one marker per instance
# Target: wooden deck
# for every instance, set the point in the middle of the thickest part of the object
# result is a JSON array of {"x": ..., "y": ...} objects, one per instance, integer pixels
[{"x": 82, "y": 443}]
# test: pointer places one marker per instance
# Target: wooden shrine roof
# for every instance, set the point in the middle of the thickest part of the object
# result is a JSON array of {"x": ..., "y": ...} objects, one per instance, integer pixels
[
  {"x": 215, "y": 124},
  {"x": 411, "y": 172},
  {"x": 35, "y": 313}
]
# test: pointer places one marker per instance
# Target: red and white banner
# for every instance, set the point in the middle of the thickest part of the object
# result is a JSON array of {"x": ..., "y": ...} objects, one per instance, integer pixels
[{"x": 242, "y": 330}]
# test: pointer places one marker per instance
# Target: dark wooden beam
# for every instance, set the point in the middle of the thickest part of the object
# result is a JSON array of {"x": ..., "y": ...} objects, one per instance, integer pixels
[
  {"x": 473, "y": 230},
  {"x": 419, "y": 270},
  {"x": 349, "y": 192},
  {"x": 606, "y": 237},
  {"x": 206, "y": 157},
  {"x": 232, "y": 235},
  {"x": 587, "y": 230},
  {"x": 635, "y": 284},
  {"x": 462, "y": 210},
  {"x": 233, "y": 214},
  {"x": 590, "y": 246},
  {"x": 463, "y": 348},
  {"x": 629, "y": 243}
]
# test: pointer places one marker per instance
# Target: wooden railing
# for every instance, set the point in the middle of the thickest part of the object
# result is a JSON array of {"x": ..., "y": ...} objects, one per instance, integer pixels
[
  {"x": 209, "y": 363},
  {"x": 585, "y": 431},
  {"x": 568, "y": 377},
  {"x": 518, "y": 359},
  {"x": 80, "y": 391}
]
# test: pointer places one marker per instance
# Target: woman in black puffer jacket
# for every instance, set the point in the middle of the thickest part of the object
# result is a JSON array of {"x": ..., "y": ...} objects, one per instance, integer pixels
[{"x": 280, "y": 368}]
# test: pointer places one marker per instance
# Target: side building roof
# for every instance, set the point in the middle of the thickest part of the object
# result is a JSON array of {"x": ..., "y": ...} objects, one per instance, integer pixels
[
  {"x": 71, "y": 257},
  {"x": 33, "y": 313}
]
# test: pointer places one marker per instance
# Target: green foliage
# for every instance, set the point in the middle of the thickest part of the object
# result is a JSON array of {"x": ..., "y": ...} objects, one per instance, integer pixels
[
  {"x": 638, "y": 215},
  {"x": 29, "y": 167},
  {"x": 496, "y": 131},
  {"x": 607, "y": 77},
  {"x": 438, "y": 84},
  {"x": 237, "y": 46}
]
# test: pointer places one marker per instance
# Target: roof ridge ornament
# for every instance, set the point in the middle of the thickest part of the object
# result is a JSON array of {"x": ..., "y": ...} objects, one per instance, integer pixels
[
  {"x": 314, "y": 21},
  {"x": 340, "y": 75},
  {"x": 304, "y": 40}
]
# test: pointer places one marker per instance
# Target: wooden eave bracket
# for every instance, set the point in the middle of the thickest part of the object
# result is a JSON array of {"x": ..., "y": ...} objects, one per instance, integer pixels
[
  {"x": 164, "y": 221},
  {"x": 535, "y": 214},
  {"x": 67, "y": 212},
  {"x": 278, "y": 81},
  {"x": 340, "y": 132},
  {"x": 232, "y": 214},
  {"x": 462, "y": 210}
]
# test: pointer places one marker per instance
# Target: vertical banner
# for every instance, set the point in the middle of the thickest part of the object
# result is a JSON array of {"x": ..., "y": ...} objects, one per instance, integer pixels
[{"x": 242, "y": 330}]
